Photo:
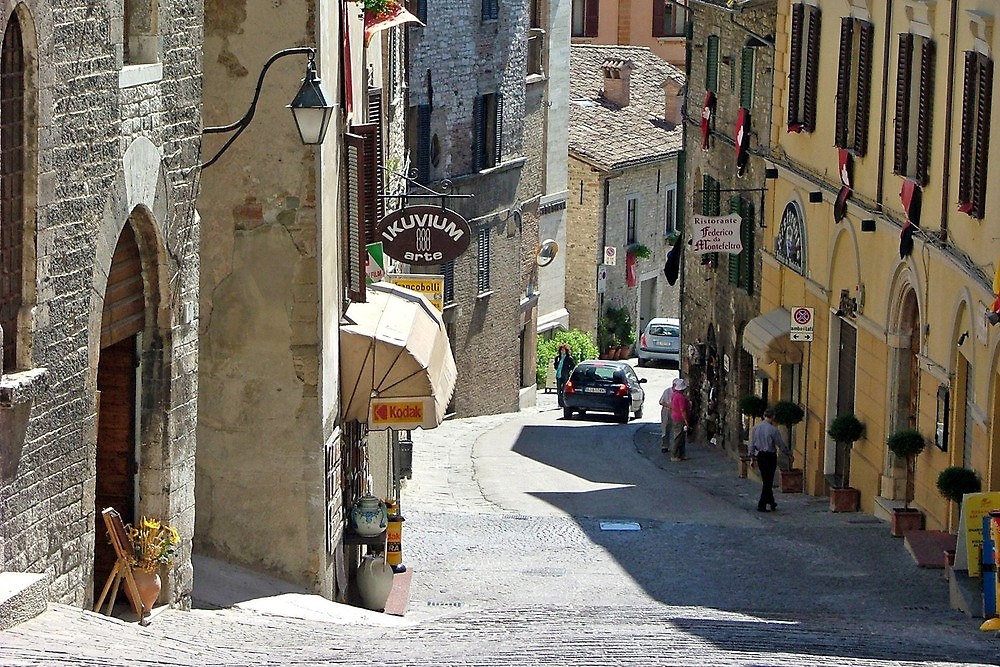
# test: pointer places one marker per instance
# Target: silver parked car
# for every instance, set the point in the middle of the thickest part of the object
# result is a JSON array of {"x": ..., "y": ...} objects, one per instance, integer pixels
[{"x": 661, "y": 341}]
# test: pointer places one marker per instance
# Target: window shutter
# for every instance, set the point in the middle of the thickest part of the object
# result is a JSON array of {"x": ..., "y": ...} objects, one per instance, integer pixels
[
  {"x": 985, "y": 90},
  {"x": 659, "y": 15},
  {"x": 844, "y": 81},
  {"x": 12, "y": 186},
  {"x": 746, "y": 232},
  {"x": 967, "y": 149},
  {"x": 424, "y": 143},
  {"x": 866, "y": 42},
  {"x": 368, "y": 186},
  {"x": 592, "y": 13},
  {"x": 498, "y": 131},
  {"x": 925, "y": 111},
  {"x": 478, "y": 133},
  {"x": 795, "y": 65},
  {"x": 448, "y": 271},
  {"x": 746, "y": 77},
  {"x": 712, "y": 64},
  {"x": 354, "y": 229},
  {"x": 904, "y": 64},
  {"x": 483, "y": 260},
  {"x": 810, "y": 87},
  {"x": 735, "y": 261},
  {"x": 375, "y": 118}
]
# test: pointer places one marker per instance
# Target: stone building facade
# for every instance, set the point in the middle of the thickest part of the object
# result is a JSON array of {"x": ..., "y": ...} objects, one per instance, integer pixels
[
  {"x": 729, "y": 86},
  {"x": 100, "y": 139},
  {"x": 625, "y": 143},
  {"x": 477, "y": 120}
]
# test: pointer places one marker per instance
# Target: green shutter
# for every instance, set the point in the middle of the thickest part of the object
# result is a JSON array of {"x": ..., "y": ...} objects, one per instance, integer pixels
[
  {"x": 747, "y": 233},
  {"x": 735, "y": 261},
  {"x": 712, "y": 64},
  {"x": 746, "y": 77}
]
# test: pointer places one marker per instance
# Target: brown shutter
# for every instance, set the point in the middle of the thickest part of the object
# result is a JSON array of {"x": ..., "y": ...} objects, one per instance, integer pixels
[
  {"x": 967, "y": 149},
  {"x": 124, "y": 312},
  {"x": 354, "y": 218},
  {"x": 811, "y": 87},
  {"x": 369, "y": 134},
  {"x": 659, "y": 15},
  {"x": 592, "y": 13},
  {"x": 904, "y": 64},
  {"x": 985, "y": 90},
  {"x": 844, "y": 81},
  {"x": 375, "y": 118},
  {"x": 498, "y": 130},
  {"x": 925, "y": 112},
  {"x": 866, "y": 41},
  {"x": 478, "y": 133},
  {"x": 795, "y": 66}
]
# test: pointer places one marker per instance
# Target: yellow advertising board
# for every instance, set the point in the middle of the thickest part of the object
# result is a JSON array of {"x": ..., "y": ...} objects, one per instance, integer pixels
[
  {"x": 401, "y": 413},
  {"x": 428, "y": 285},
  {"x": 970, "y": 530}
]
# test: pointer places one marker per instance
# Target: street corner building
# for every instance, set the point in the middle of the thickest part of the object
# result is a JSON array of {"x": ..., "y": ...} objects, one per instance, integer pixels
[{"x": 99, "y": 264}]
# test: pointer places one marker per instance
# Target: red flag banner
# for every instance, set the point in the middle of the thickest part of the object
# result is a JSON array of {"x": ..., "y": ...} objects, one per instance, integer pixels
[{"x": 393, "y": 16}]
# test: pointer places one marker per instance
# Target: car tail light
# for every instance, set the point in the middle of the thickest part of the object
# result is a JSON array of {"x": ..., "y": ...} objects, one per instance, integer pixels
[
  {"x": 568, "y": 387},
  {"x": 622, "y": 390},
  {"x": 642, "y": 340}
]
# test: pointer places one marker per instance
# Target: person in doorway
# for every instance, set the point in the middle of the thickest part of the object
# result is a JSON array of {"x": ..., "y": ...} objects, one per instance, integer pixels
[
  {"x": 666, "y": 429},
  {"x": 765, "y": 441},
  {"x": 564, "y": 364},
  {"x": 680, "y": 417}
]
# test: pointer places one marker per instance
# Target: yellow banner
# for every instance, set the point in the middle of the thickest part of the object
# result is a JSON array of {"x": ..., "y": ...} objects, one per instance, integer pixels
[
  {"x": 431, "y": 287},
  {"x": 974, "y": 508}
]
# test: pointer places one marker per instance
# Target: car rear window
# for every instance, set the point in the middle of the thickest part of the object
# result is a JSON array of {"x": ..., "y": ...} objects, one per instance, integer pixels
[
  {"x": 594, "y": 374},
  {"x": 664, "y": 330}
]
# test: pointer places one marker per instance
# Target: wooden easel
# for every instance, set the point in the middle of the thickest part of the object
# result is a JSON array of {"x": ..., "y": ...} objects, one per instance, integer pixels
[{"x": 123, "y": 566}]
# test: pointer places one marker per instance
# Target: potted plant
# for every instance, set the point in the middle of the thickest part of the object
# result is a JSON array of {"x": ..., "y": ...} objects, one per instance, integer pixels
[
  {"x": 788, "y": 414},
  {"x": 153, "y": 544},
  {"x": 846, "y": 429},
  {"x": 638, "y": 250},
  {"x": 621, "y": 329},
  {"x": 953, "y": 483},
  {"x": 907, "y": 444},
  {"x": 751, "y": 406}
]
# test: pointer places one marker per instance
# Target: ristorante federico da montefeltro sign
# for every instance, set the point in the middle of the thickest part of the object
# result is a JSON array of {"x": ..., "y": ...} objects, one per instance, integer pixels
[{"x": 423, "y": 235}]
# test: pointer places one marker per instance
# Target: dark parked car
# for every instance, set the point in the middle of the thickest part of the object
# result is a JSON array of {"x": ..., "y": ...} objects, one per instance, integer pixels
[{"x": 604, "y": 386}]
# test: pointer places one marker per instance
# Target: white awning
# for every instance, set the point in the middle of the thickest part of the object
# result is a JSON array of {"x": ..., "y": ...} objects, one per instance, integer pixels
[
  {"x": 395, "y": 346},
  {"x": 766, "y": 337}
]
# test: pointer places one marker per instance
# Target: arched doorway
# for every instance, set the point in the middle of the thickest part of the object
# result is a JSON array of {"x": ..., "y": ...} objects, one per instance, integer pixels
[
  {"x": 118, "y": 383},
  {"x": 906, "y": 388}
]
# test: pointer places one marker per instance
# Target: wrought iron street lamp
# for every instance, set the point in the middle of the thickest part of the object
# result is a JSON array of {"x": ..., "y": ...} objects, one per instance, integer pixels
[{"x": 310, "y": 108}]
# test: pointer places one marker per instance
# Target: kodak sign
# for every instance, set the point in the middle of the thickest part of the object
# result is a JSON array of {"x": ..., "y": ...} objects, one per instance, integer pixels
[{"x": 399, "y": 413}]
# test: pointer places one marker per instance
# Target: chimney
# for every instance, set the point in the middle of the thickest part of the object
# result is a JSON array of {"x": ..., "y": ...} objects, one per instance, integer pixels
[
  {"x": 616, "y": 81},
  {"x": 673, "y": 100}
]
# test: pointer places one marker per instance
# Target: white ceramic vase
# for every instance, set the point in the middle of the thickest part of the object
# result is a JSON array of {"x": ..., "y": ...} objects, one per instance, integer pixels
[
  {"x": 374, "y": 582},
  {"x": 369, "y": 516}
]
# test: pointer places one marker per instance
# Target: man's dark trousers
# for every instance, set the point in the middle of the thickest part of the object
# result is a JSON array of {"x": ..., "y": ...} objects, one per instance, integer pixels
[{"x": 767, "y": 463}]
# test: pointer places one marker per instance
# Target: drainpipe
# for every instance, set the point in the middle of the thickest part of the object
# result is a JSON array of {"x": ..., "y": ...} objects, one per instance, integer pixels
[
  {"x": 949, "y": 101},
  {"x": 880, "y": 184}
]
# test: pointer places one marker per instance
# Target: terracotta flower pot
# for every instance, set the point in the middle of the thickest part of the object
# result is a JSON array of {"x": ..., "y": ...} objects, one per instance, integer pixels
[
  {"x": 790, "y": 480},
  {"x": 905, "y": 520},
  {"x": 844, "y": 499},
  {"x": 148, "y": 585}
]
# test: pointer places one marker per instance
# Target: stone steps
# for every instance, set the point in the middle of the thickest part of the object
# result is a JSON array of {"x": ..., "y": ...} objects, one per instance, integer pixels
[{"x": 23, "y": 596}]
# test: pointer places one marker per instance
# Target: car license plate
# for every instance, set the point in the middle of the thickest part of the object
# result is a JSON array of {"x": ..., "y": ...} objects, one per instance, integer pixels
[{"x": 594, "y": 390}]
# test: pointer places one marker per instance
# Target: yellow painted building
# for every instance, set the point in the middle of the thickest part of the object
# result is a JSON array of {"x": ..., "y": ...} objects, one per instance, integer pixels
[{"x": 880, "y": 135}]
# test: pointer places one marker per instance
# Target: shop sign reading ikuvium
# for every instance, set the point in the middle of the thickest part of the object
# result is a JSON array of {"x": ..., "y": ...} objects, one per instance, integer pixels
[{"x": 423, "y": 235}]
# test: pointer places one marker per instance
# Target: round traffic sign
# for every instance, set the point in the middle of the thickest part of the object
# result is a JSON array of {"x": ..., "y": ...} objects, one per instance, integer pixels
[{"x": 802, "y": 316}]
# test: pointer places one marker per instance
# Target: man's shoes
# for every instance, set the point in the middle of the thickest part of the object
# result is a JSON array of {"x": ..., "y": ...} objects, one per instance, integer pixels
[
  {"x": 762, "y": 509},
  {"x": 676, "y": 458},
  {"x": 774, "y": 507},
  {"x": 664, "y": 450}
]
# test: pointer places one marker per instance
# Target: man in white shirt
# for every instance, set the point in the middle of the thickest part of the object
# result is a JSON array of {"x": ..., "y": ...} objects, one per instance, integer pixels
[
  {"x": 765, "y": 441},
  {"x": 666, "y": 428}
]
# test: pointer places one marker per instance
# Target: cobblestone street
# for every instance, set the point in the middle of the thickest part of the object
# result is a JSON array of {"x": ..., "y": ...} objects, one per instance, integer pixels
[{"x": 706, "y": 581}]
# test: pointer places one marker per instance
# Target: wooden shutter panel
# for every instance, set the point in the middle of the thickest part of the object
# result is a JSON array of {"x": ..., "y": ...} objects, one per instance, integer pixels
[
  {"x": 747, "y": 233},
  {"x": 985, "y": 90},
  {"x": 967, "y": 149},
  {"x": 124, "y": 313},
  {"x": 866, "y": 43},
  {"x": 746, "y": 77},
  {"x": 483, "y": 260},
  {"x": 659, "y": 16},
  {"x": 448, "y": 271},
  {"x": 375, "y": 118},
  {"x": 478, "y": 133},
  {"x": 904, "y": 64},
  {"x": 712, "y": 64},
  {"x": 925, "y": 112},
  {"x": 735, "y": 206},
  {"x": 498, "y": 131},
  {"x": 810, "y": 90},
  {"x": 369, "y": 135},
  {"x": 795, "y": 65},
  {"x": 354, "y": 218},
  {"x": 592, "y": 14},
  {"x": 424, "y": 143},
  {"x": 844, "y": 81}
]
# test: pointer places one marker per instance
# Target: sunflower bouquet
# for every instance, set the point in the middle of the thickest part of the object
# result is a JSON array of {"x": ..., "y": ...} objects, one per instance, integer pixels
[{"x": 153, "y": 543}]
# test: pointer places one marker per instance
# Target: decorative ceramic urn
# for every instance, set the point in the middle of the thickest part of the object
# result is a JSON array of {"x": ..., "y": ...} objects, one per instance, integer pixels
[
  {"x": 369, "y": 516},
  {"x": 374, "y": 582}
]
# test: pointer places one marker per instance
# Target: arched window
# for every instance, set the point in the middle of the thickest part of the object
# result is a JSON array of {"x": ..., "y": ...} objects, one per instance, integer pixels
[{"x": 12, "y": 165}]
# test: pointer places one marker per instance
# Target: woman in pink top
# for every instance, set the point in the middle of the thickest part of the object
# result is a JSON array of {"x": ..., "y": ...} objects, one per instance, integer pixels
[{"x": 680, "y": 416}]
